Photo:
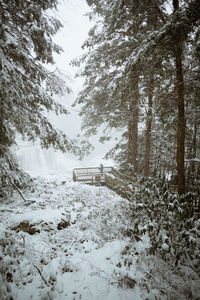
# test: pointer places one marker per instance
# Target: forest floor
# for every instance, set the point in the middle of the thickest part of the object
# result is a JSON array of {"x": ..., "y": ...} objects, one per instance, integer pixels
[
  {"x": 71, "y": 241},
  {"x": 67, "y": 241}
]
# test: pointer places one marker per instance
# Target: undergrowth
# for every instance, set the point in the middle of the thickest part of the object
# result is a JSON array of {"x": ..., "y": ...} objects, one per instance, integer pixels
[
  {"x": 174, "y": 232},
  {"x": 11, "y": 176}
]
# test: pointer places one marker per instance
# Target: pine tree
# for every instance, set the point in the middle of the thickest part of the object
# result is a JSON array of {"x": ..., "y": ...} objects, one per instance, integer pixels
[
  {"x": 27, "y": 87},
  {"x": 155, "y": 43},
  {"x": 178, "y": 53},
  {"x": 119, "y": 31},
  {"x": 133, "y": 127},
  {"x": 173, "y": 35}
]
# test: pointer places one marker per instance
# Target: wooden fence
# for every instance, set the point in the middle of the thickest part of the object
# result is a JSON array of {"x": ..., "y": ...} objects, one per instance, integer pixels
[
  {"x": 118, "y": 182},
  {"x": 92, "y": 175},
  {"x": 108, "y": 176}
]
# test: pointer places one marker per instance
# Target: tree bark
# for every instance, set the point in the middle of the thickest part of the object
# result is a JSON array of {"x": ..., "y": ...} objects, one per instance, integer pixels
[
  {"x": 178, "y": 52},
  {"x": 148, "y": 129},
  {"x": 192, "y": 155},
  {"x": 133, "y": 128}
]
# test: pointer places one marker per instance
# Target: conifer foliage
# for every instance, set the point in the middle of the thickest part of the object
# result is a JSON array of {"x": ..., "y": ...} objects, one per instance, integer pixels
[
  {"x": 27, "y": 88},
  {"x": 174, "y": 231},
  {"x": 141, "y": 68}
]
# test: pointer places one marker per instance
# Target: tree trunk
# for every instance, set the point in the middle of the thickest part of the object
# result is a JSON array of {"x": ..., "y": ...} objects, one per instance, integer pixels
[
  {"x": 148, "y": 129},
  {"x": 133, "y": 128},
  {"x": 178, "y": 51},
  {"x": 192, "y": 155},
  {"x": 1, "y": 22}
]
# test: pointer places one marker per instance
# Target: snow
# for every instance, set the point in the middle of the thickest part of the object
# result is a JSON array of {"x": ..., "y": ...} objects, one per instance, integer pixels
[
  {"x": 165, "y": 247},
  {"x": 72, "y": 241},
  {"x": 84, "y": 260}
]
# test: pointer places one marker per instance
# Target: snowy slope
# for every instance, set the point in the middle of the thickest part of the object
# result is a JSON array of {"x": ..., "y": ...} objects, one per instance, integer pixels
[{"x": 79, "y": 249}]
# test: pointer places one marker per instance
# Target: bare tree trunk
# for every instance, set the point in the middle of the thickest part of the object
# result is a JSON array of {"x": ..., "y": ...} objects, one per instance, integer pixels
[
  {"x": 1, "y": 22},
  {"x": 148, "y": 129},
  {"x": 180, "y": 158},
  {"x": 133, "y": 128},
  {"x": 192, "y": 154}
]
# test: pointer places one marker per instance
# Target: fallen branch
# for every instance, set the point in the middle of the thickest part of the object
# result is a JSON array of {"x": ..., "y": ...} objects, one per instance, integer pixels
[
  {"x": 149, "y": 274},
  {"x": 189, "y": 261},
  {"x": 41, "y": 275},
  {"x": 43, "y": 279},
  {"x": 18, "y": 190},
  {"x": 47, "y": 284}
]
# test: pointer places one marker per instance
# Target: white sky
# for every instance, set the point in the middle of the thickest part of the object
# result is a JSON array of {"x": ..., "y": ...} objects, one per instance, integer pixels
[
  {"x": 73, "y": 34},
  {"x": 70, "y": 38},
  {"x": 71, "y": 13}
]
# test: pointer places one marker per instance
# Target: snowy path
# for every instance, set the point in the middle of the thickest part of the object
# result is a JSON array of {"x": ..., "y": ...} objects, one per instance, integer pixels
[{"x": 80, "y": 250}]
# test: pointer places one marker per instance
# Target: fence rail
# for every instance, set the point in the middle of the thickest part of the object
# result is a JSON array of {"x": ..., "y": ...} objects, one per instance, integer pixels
[
  {"x": 108, "y": 176},
  {"x": 92, "y": 175},
  {"x": 118, "y": 182}
]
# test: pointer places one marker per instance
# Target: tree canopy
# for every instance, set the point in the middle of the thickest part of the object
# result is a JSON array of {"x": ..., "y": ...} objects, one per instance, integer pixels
[
  {"x": 27, "y": 86},
  {"x": 140, "y": 56}
]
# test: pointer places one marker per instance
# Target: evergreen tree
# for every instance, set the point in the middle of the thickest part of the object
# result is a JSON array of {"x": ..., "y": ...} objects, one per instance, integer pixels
[
  {"x": 120, "y": 30},
  {"x": 141, "y": 45},
  {"x": 27, "y": 87},
  {"x": 174, "y": 37}
]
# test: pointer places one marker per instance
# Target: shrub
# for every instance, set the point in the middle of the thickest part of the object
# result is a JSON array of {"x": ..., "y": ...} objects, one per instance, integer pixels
[{"x": 170, "y": 221}]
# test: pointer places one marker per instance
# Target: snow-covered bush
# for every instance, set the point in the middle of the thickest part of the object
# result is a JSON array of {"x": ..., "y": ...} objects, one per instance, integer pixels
[
  {"x": 10, "y": 269},
  {"x": 11, "y": 176},
  {"x": 172, "y": 225}
]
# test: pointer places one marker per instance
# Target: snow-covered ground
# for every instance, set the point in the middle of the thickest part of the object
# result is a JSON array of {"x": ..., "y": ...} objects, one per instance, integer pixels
[{"x": 68, "y": 241}]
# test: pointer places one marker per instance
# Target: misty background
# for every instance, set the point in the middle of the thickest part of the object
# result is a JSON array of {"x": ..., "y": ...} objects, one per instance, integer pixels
[{"x": 32, "y": 158}]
